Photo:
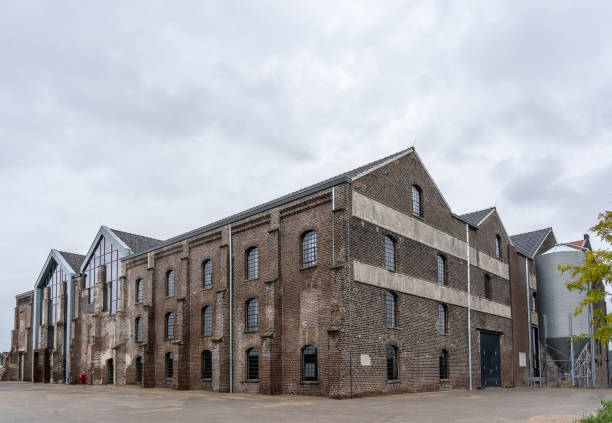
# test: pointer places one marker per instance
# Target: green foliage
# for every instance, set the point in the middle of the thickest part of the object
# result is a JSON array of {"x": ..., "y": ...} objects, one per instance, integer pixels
[
  {"x": 593, "y": 277},
  {"x": 604, "y": 414}
]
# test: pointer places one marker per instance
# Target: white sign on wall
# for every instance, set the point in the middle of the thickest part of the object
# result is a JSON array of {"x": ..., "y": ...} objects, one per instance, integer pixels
[
  {"x": 522, "y": 359},
  {"x": 365, "y": 360}
]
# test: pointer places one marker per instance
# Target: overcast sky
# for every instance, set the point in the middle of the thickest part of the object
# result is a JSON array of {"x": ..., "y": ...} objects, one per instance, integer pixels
[{"x": 157, "y": 118}]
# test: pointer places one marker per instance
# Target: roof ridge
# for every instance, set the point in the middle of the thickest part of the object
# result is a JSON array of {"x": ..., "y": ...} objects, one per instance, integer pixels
[
  {"x": 316, "y": 187},
  {"x": 133, "y": 234}
]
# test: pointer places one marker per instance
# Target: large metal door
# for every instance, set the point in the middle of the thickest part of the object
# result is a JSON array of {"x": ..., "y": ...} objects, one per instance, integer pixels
[{"x": 490, "y": 366}]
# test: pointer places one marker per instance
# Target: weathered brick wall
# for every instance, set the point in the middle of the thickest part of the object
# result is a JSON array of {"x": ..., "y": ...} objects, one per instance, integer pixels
[
  {"x": 21, "y": 341},
  {"x": 392, "y": 185}
]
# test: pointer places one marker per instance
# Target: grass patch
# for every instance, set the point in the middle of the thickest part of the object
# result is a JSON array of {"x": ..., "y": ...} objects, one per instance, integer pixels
[{"x": 604, "y": 414}]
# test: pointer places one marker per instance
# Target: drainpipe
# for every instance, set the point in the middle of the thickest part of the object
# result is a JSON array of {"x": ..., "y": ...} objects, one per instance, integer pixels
[
  {"x": 529, "y": 320},
  {"x": 231, "y": 306},
  {"x": 68, "y": 323},
  {"x": 467, "y": 237},
  {"x": 36, "y": 326}
]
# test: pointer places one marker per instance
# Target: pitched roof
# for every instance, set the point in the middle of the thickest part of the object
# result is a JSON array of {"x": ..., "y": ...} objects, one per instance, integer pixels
[
  {"x": 529, "y": 243},
  {"x": 137, "y": 243},
  {"x": 327, "y": 183},
  {"x": 477, "y": 217},
  {"x": 74, "y": 260}
]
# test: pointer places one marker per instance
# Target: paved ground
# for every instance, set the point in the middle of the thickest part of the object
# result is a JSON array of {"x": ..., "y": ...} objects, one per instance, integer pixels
[{"x": 25, "y": 402}]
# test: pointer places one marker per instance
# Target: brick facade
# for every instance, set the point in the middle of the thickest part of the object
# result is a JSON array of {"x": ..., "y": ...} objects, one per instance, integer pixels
[{"x": 325, "y": 305}]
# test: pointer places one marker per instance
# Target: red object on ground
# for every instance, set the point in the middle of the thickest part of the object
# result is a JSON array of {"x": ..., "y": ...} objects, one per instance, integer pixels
[{"x": 82, "y": 378}]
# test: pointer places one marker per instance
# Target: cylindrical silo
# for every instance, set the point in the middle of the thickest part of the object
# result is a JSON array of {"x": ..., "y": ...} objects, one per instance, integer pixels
[{"x": 557, "y": 304}]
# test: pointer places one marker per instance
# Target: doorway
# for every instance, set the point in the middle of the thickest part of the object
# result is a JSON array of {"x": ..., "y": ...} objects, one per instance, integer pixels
[
  {"x": 490, "y": 363},
  {"x": 110, "y": 366}
]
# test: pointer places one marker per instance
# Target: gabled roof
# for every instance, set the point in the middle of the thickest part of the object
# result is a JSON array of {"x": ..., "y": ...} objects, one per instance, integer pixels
[
  {"x": 529, "y": 243},
  {"x": 74, "y": 260},
  {"x": 346, "y": 177},
  {"x": 370, "y": 167},
  {"x": 61, "y": 259},
  {"x": 477, "y": 217},
  {"x": 125, "y": 242},
  {"x": 136, "y": 243}
]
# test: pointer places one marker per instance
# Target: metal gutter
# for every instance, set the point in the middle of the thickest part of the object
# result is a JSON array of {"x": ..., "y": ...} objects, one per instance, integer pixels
[
  {"x": 245, "y": 214},
  {"x": 529, "y": 331}
]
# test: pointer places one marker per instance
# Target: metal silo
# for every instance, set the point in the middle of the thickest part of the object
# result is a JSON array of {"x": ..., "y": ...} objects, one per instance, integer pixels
[{"x": 557, "y": 305}]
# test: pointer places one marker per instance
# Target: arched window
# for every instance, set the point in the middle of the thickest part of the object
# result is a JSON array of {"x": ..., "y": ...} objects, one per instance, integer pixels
[
  {"x": 487, "y": 286},
  {"x": 390, "y": 306},
  {"x": 170, "y": 326},
  {"x": 309, "y": 249},
  {"x": 139, "y": 329},
  {"x": 441, "y": 270},
  {"x": 206, "y": 365},
  {"x": 252, "y": 317},
  {"x": 252, "y": 363},
  {"x": 139, "y": 370},
  {"x": 442, "y": 320},
  {"x": 443, "y": 363},
  {"x": 417, "y": 207},
  {"x": 392, "y": 371},
  {"x": 169, "y": 365},
  {"x": 207, "y": 321},
  {"x": 252, "y": 263},
  {"x": 534, "y": 303},
  {"x": 139, "y": 289},
  {"x": 170, "y": 284},
  {"x": 309, "y": 363},
  {"x": 389, "y": 253},
  {"x": 498, "y": 252},
  {"x": 207, "y": 274}
]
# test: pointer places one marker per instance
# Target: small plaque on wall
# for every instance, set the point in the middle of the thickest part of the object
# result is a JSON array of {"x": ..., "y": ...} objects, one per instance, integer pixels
[
  {"x": 522, "y": 359},
  {"x": 365, "y": 360}
]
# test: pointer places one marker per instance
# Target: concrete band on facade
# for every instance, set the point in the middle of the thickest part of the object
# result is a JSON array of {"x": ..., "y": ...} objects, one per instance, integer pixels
[
  {"x": 386, "y": 217},
  {"x": 394, "y": 281}
]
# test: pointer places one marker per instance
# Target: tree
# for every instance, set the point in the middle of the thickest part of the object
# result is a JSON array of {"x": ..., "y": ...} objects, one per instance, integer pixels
[{"x": 593, "y": 278}]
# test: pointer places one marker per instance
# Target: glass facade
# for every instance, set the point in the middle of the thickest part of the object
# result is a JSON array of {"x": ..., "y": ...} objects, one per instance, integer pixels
[
  {"x": 105, "y": 254},
  {"x": 53, "y": 281}
]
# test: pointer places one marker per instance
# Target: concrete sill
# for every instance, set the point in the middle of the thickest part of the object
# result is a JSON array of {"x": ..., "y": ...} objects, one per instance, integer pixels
[
  {"x": 251, "y": 381},
  {"x": 251, "y": 331},
  {"x": 205, "y": 336},
  {"x": 251, "y": 280},
  {"x": 206, "y": 289},
  {"x": 392, "y": 382},
  {"x": 309, "y": 382},
  {"x": 167, "y": 297},
  {"x": 208, "y": 379},
  {"x": 308, "y": 267},
  {"x": 418, "y": 217},
  {"x": 393, "y": 327}
]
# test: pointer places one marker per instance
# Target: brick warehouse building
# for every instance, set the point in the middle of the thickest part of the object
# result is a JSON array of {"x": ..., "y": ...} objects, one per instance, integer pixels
[{"x": 354, "y": 286}]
